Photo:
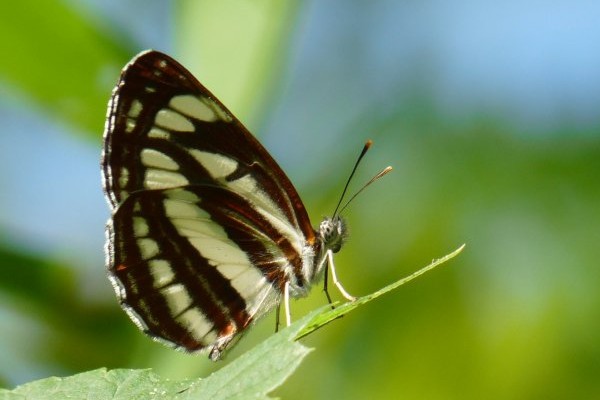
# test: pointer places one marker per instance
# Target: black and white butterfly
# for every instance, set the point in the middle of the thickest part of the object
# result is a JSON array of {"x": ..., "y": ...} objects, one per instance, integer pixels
[{"x": 207, "y": 233}]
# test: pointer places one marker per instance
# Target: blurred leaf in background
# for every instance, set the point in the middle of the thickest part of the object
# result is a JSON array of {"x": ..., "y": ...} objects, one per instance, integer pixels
[{"x": 488, "y": 113}]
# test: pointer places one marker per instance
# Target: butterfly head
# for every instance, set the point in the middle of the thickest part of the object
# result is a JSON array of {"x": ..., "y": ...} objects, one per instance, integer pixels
[{"x": 333, "y": 233}]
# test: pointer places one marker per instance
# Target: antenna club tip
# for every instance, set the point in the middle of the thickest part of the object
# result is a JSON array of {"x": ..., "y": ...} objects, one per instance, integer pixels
[
  {"x": 382, "y": 173},
  {"x": 368, "y": 143}
]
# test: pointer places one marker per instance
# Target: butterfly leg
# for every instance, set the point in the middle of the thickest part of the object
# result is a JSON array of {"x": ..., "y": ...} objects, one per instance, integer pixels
[
  {"x": 335, "y": 279},
  {"x": 286, "y": 303},
  {"x": 278, "y": 311},
  {"x": 325, "y": 286}
]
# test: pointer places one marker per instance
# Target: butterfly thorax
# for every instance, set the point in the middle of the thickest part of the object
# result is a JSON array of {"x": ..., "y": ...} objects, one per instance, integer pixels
[{"x": 330, "y": 237}]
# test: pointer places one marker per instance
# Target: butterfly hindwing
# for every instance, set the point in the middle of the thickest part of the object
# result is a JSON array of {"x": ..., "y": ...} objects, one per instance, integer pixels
[{"x": 182, "y": 274}]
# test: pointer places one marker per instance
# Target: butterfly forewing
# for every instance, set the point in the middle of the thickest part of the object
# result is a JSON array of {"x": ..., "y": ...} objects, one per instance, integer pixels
[{"x": 206, "y": 228}]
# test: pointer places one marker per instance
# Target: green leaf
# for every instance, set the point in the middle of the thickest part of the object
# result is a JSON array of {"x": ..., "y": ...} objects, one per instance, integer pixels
[
  {"x": 100, "y": 384},
  {"x": 252, "y": 376},
  {"x": 257, "y": 372},
  {"x": 323, "y": 318}
]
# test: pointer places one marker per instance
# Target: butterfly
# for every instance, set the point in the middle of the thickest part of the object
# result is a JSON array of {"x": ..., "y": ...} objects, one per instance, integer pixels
[{"x": 207, "y": 233}]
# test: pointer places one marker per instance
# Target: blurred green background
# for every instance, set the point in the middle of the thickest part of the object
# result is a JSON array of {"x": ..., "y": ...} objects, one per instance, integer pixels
[{"x": 488, "y": 111}]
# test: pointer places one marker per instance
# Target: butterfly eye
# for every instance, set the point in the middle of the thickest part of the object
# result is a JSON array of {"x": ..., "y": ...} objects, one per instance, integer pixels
[{"x": 333, "y": 233}]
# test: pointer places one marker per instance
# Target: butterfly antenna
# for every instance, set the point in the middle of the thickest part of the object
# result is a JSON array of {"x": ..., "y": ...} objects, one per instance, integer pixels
[
  {"x": 381, "y": 173},
  {"x": 362, "y": 154}
]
